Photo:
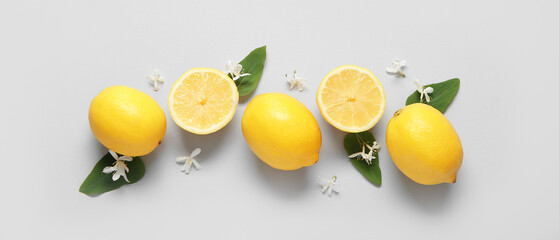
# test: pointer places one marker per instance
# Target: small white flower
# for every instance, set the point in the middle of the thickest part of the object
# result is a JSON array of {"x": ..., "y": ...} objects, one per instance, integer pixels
[
  {"x": 119, "y": 167},
  {"x": 329, "y": 186},
  {"x": 235, "y": 70},
  {"x": 155, "y": 79},
  {"x": 189, "y": 160},
  {"x": 375, "y": 147},
  {"x": 368, "y": 157},
  {"x": 423, "y": 91},
  {"x": 396, "y": 67},
  {"x": 295, "y": 80}
]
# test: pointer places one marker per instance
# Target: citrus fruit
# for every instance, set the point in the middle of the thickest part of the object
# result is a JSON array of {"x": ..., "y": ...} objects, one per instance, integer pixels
[
  {"x": 351, "y": 99},
  {"x": 424, "y": 145},
  {"x": 203, "y": 100},
  {"x": 127, "y": 121},
  {"x": 281, "y": 131}
]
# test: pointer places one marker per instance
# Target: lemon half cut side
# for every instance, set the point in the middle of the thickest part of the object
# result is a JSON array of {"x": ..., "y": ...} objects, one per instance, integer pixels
[
  {"x": 351, "y": 99},
  {"x": 203, "y": 100}
]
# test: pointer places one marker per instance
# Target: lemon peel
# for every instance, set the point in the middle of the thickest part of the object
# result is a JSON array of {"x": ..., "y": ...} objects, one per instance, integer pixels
[{"x": 424, "y": 145}]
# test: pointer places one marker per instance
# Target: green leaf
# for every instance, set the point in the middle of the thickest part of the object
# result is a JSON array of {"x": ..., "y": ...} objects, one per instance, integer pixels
[
  {"x": 353, "y": 143},
  {"x": 253, "y": 64},
  {"x": 442, "y": 96},
  {"x": 98, "y": 182}
]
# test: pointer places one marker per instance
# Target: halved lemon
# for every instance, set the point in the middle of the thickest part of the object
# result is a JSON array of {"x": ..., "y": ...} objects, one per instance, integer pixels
[
  {"x": 351, "y": 98},
  {"x": 203, "y": 100}
]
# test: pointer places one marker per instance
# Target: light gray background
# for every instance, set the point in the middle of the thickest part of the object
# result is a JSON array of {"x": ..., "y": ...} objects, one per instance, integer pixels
[{"x": 57, "y": 55}]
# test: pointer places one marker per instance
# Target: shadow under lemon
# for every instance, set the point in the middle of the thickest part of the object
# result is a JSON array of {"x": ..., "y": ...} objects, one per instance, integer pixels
[
  {"x": 205, "y": 142},
  {"x": 431, "y": 198},
  {"x": 286, "y": 183},
  {"x": 336, "y": 137},
  {"x": 246, "y": 98}
]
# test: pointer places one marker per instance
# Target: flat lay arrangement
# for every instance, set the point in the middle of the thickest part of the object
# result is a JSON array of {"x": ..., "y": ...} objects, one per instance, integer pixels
[
  {"x": 278, "y": 128},
  {"x": 278, "y": 119}
]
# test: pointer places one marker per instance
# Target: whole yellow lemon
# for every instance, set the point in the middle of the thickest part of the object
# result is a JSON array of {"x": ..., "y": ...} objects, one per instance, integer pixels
[
  {"x": 127, "y": 121},
  {"x": 424, "y": 145},
  {"x": 281, "y": 131}
]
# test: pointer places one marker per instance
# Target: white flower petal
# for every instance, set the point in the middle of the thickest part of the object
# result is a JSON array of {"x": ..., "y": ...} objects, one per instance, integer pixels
[
  {"x": 292, "y": 84},
  {"x": 396, "y": 67},
  {"x": 156, "y": 78},
  {"x": 354, "y": 155},
  {"x": 125, "y": 158},
  {"x": 419, "y": 87},
  {"x": 295, "y": 81},
  {"x": 113, "y": 153},
  {"x": 187, "y": 166},
  {"x": 125, "y": 177},
  {"x": 376, "y": 146},
  {"x": 108, "y": 170},
  {"x": 125, "y": 168},
  {"x": 329, "y": 185},
  {"x": 181, "y": 159},
  {"x": 300, "y": 86},
  {"x": 238, "y": 67},
  {"x": 235, "y": 69},
  {"x": 116, "y": 176},
  {"x": 324, "y": 181},
  {"x": 196, "y": 164},
  {"x": 391, "y": 70},
  {"x": 428, "y": 90},
  {"x": 195, "y": 152},
  {"x": 229, "y": 65},
  {"x": 189, "y": 161}
]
